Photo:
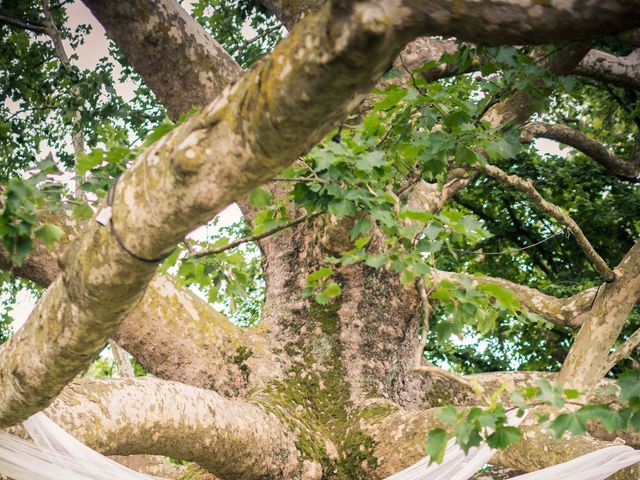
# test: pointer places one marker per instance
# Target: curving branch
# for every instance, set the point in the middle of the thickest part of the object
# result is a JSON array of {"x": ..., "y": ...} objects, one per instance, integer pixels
[
  {"x": 230, "y": 438},
  {"x": 625, "y": 170},
  {"x": 605, "y": 67},
  {"x": 554, "y": 211}
]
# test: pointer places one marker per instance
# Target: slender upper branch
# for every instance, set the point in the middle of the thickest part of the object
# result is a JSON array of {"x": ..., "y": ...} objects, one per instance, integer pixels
[
  {"x": 626, "y": 170},
  {"x": 14, "y": 22},
  {"x": 529, "y": 190},
  {"x": 623, "y": 350},
  {"x": 562, "y": 311},
  {"x": 254, "y": 238}
]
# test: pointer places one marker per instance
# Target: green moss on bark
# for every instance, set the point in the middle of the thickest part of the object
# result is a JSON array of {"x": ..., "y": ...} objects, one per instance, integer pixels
[{"x": 315, "y": 402}]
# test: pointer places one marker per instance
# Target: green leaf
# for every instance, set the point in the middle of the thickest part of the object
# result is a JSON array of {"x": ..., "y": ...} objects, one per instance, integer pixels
[
  {"x": 332, "y": 290},
  {"x": 342, "y": 208},
  {"x": 321, "y": 273},
  {"x": 407, "y": 277},
  {"x": 609, "y": 418},
  {"x": 376, "y": 261},
  {"x": 371, "y": 160},
  {"x": 502, "y": 437},
  {"x": 568, "y": 422},
  {"x": 361, "y": 242},
  {"x": 467, "y": 436},
  {"x": 504, "y": 297},
  {"x": 361, "y": 226},
  {"x": 82, "y": 212},
  {"x": 629, "y": 383},
  {"x": 260, "y": 198},
  {"x": 49, "y": 234},
  {"x": 436, "y": 445},
  {"x": 447, "y": 415},
  {"x": 322, "y": 299},
  {"x": 501, "y": 150},
  {"x": 486, "y": 320}
]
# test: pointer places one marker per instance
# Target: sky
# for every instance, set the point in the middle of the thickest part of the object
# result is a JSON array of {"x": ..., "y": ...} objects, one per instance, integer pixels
[{"x": 96, "y": 47}]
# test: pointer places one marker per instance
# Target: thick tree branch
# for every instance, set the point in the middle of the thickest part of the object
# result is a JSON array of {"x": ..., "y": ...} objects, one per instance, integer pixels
[
  {"x": 160, "y": 37},
  {"x": 172, "y": 332},
  {"x": 273, "y": 115},
  {"x": 620, "y": 71},
  {"x": 400, "y": 443},
  {"x": 625, "y": 170},
  {"x": 230, "y": 438},
  {"x": 554, "y": 211},
  {"x": 518, "y": 23},
  {"x": 588, "y": 358}
]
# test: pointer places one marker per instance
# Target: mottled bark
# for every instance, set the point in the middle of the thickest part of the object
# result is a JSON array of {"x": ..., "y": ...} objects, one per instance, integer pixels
[
  {"x": 171, "y": 331},
  {"x": 178, "y": 336},
  {"x": 620, "y": 71},
  {"x": 249, "y": 134},
  {"x": 231, "y": 438},
  {"x": 148, "y": 30},
  {"x": 400, "y": 443},
  {"x": 587, "y": 361},
  {"x": 290, "y": 11},
  {"x": 518, "y": 22}
]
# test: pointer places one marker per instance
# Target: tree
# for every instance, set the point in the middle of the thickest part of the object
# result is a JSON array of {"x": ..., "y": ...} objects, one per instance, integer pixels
[{"x": 367, "y": 242}]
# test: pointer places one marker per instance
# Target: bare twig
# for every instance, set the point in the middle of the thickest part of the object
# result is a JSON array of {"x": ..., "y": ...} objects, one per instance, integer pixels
[
  {"x": 430, "y": 369},
  {"x": 301, "y": 179},
  {"x": 529, "y": 190},
  {"x": 254, "y": 238},
  {"x": 266, "y": 33}
]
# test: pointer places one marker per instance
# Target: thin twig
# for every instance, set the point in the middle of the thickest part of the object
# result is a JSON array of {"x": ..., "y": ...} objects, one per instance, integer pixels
[
  {"x": 529, "y": 190},
  {"x": 514, "y": 250},
  {"x": 254, "y": 238},
  {"x": 413, "y": 78},
  {"x": 418, "y": 366},
  {"x": 301, "y": 179},
  {"x": 249, "y": 41}
]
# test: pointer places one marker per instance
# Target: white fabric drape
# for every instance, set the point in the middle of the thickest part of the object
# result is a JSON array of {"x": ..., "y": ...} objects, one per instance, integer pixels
[{"x": 56, "y": 455}]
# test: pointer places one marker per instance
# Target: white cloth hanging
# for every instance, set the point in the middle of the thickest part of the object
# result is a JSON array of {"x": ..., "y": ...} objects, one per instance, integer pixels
[{"x": 56, "y": 455}]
